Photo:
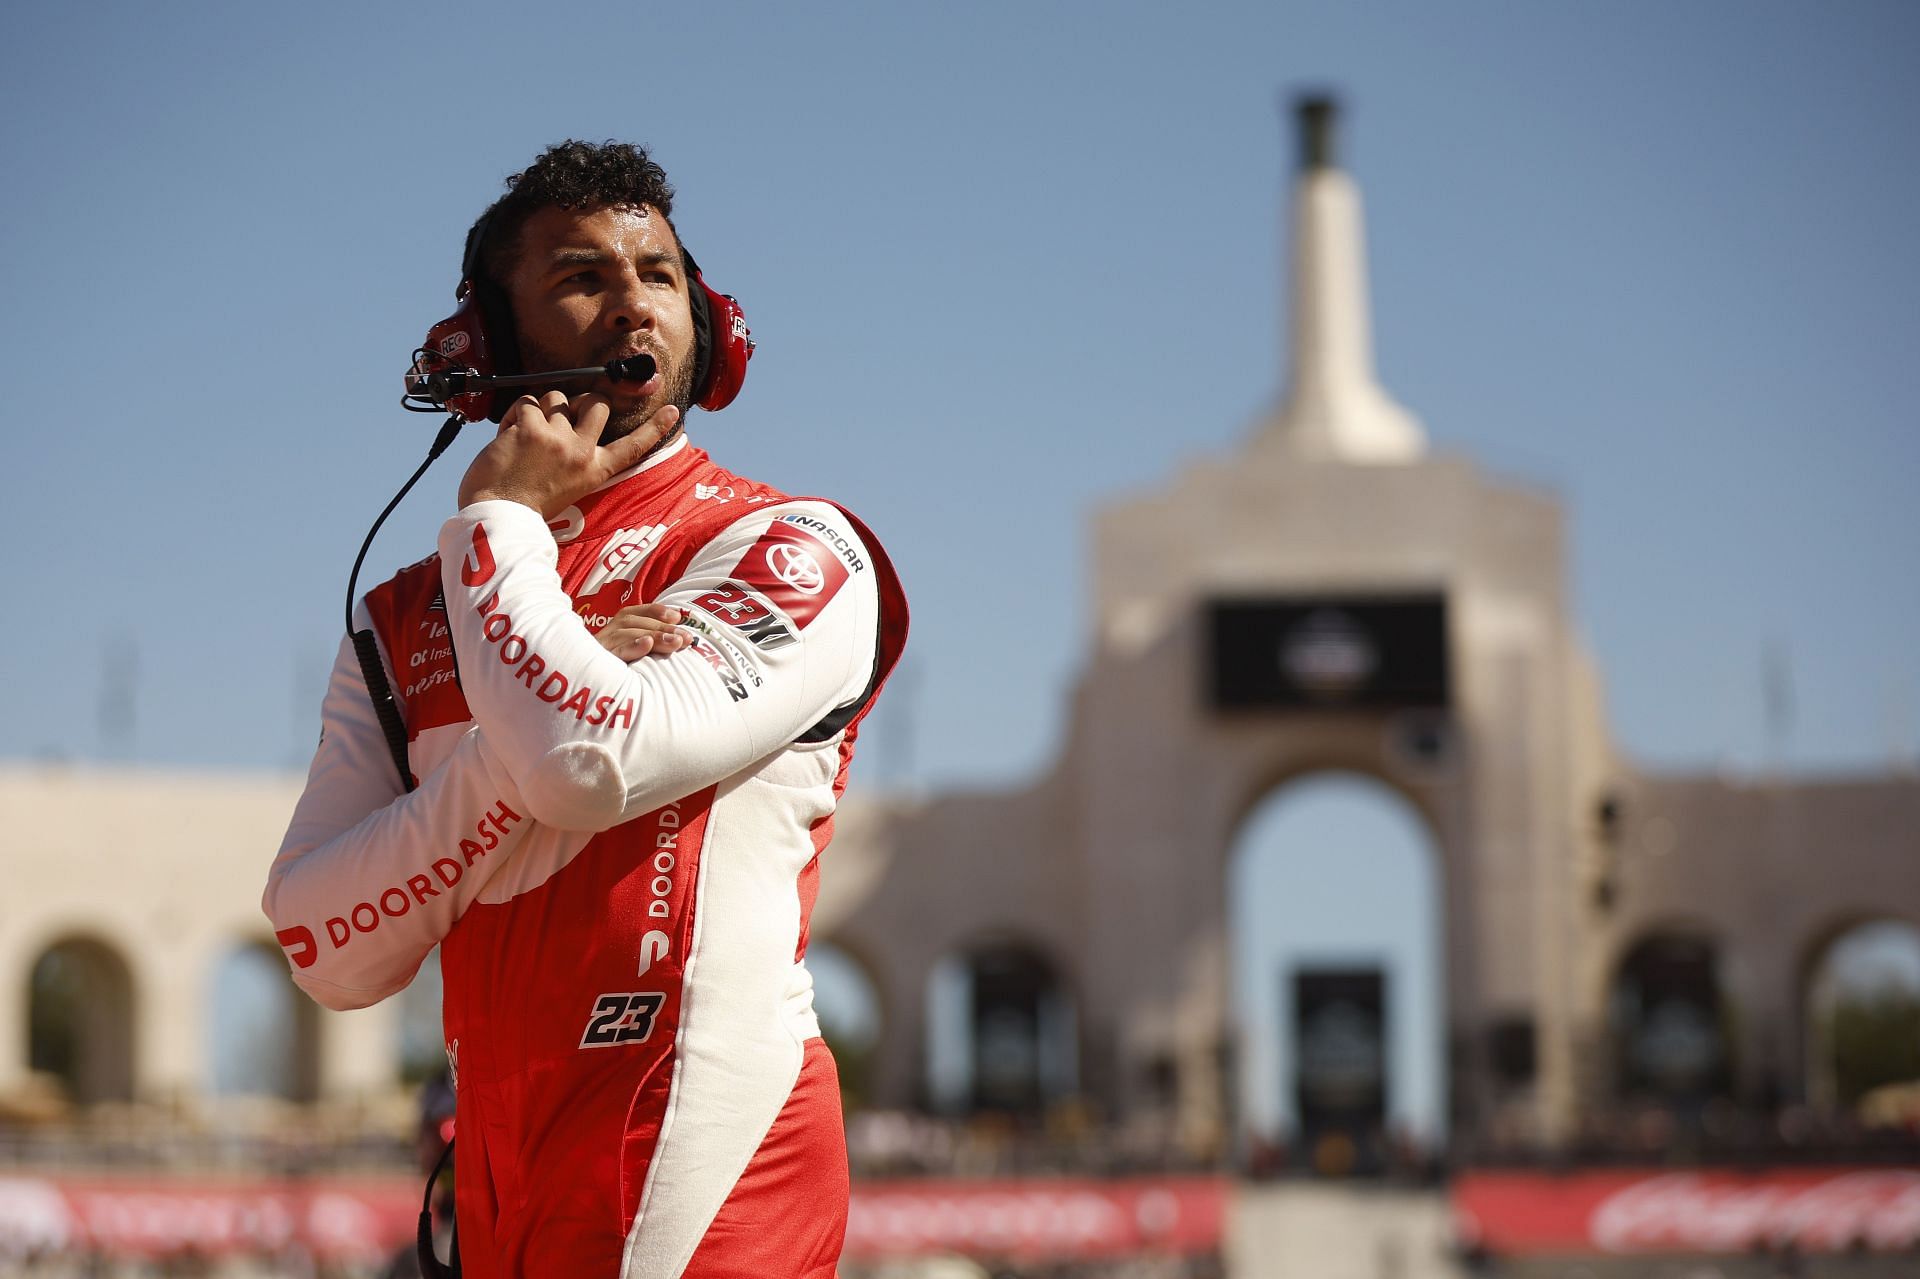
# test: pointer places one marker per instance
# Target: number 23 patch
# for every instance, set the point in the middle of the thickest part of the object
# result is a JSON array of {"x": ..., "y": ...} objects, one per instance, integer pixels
[{"x": 622, "y": 1019}]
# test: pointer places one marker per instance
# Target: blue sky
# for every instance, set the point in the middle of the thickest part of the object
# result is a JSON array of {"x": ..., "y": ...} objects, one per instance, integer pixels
[{"x": 1005, "y": 261}]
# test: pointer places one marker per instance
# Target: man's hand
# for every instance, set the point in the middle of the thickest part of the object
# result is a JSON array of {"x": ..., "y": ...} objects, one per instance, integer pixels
[
  {"x": 548, "y": 452},
  {"x": 640, "y": 629}
]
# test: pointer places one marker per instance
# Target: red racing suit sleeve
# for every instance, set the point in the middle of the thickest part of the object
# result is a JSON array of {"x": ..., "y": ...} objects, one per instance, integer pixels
[
  {"x": 368, "y": 879},
  {"x": 785, "y": 611}
]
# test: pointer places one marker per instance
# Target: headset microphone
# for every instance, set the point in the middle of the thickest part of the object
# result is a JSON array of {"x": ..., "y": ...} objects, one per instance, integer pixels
[
  {"x": 480, "y": 336},
  {"x": 435, "y": 387}
]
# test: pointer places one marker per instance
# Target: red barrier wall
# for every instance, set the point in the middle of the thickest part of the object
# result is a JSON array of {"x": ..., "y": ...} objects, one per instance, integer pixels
[
  {"x": 370, "y": 1217},
  {"x": 1649, "y": 1211}
]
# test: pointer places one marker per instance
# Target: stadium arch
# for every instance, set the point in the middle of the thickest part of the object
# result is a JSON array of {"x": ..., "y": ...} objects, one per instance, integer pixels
[
  {"x": 262, "y": 1033},
  {"x": 82, "y": 1001},
  {"x": 1002, "y": 1013},
  {"x": 1672, "y": 1026},
  {"x": 1408, "y": 1023},
  {"x": 847, "y": 994},
  {"x": 1817, "y": 1052}
]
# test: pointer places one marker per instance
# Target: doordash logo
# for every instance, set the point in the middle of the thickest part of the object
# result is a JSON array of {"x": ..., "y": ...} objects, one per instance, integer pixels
[{"x": 477, "y": 568}]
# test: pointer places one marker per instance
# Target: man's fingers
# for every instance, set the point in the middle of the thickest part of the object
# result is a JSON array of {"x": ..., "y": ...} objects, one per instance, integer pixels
[
  {"x": 645, "y": 615},
  {"x": 637, "y": 646},
  {"x": 652, "y": 613},
  {"x": 590, "y": 414},
  {"x": 629, "y": 449},
  {"x": 533, "y": 463},
  {"x": 525, "y": 411},
  {"x": 640, "y": 629}
]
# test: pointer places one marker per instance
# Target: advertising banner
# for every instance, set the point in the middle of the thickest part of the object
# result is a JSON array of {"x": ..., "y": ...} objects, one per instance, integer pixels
[
  {"x": 1340, "y": 1055},
  {"x": 367, "y": 1218},
  {"x": 1327, "y": 653},
  {"x": 1034, "y": 1220},
  {"x": 362, "y": 1219},
  {"x": 1618, "y": 1211}
]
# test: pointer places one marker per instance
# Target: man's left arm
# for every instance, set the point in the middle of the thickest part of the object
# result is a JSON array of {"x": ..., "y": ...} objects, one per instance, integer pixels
[{"x": 785, "y": 612}]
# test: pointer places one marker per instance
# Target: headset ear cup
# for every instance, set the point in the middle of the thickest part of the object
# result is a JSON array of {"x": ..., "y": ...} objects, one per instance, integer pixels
[
  {"x": 702, "y": 337},
  {"x": 497, "y": 338},
  {"x": 503, "y": 340},
  {"x": 461, "y": 341},
  {"x": 730, "y": 346}
]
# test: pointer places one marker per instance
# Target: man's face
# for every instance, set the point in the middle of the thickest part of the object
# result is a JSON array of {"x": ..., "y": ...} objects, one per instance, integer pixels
[{"x": 591, "y": 287}]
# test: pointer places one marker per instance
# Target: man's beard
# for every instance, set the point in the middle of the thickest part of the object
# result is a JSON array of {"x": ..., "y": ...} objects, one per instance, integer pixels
[{"x": 676, "y": 380}]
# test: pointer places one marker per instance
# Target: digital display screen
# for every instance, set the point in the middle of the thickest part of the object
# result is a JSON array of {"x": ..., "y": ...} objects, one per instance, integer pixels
[{"x": 1332, "y": 652}]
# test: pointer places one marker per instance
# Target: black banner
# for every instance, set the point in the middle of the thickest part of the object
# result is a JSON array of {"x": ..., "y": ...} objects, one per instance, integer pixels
[
  {"x": 1340, "y": 1052},
  {"x": 1008, "y": 987},
  {"x": 1332, "y": 652}
]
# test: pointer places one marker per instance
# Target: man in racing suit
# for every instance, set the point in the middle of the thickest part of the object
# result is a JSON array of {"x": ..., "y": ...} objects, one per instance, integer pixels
[{"x": 631, "y": 682}]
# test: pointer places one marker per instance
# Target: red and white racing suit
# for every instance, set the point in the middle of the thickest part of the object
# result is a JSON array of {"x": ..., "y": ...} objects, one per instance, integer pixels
[{"x": 618, "y": 862}]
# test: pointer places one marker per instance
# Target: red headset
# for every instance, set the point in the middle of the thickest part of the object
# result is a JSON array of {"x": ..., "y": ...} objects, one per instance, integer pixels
[{"x": 480, "y": 336}]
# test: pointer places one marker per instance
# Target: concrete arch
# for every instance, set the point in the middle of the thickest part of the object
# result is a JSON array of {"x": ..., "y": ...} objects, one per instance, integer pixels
[
  {"x": 263, "y": 1035},
  {"x": 1817, "y": 1055},
  {"x": 1269, "y": 783},
  {"x": 862, "y": 957},
  {"x": 81, "y": 1003},
  {"x": 1823, "y": 936},
  {"x": 1390, "y": 821},
  {"x": 1681, "y": 924},
  {"x": 1428, "y": 791},
  {"x": 833, "y": 966},
  {"x": 1669, "y": 1015},
  {"x": 987, "y": 940},
  {"x": 1621, "y": 946},
  {"x": 1012, "y": 979},
  {"x": 419, "y": 1046}
]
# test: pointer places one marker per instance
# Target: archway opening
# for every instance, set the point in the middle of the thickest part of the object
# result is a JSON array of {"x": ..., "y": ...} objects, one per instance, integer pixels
[
  {"x": 1002, "y": 1033},
  {"x": 423, "y": 1047},
  {"x": 1672, "y": 1043},
  {"x": 847, "y": 1002},
  {"x": 80, "y": 1020},
  {"x": 1863, "y": 1019},
  {"x": 263, "y": 1037},
  {"x": 1334, "y": 911}
]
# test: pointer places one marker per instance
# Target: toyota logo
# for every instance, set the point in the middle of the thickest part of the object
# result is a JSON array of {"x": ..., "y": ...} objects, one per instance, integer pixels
[{"x": 797, "y": 568}]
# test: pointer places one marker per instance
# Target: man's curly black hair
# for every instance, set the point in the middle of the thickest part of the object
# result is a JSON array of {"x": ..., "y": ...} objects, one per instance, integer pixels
[
  {"x": 571, "y": 175},
  {"x": 579, "y": 176}
]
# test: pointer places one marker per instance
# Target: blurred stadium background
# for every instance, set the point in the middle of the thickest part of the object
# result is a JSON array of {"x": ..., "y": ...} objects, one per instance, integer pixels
[{"x": 1631, "y": 1022}]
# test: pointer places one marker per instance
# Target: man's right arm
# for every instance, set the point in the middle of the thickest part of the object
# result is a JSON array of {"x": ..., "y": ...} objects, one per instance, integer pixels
[{"x": 369, "y": 879}]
